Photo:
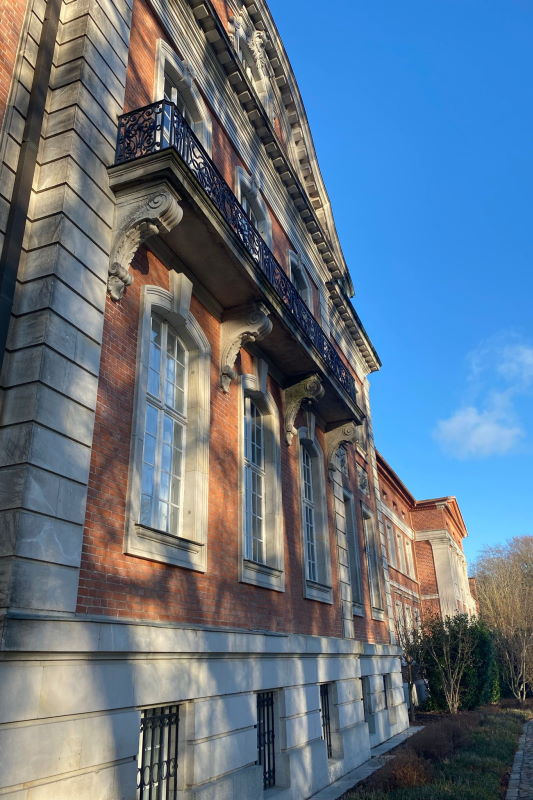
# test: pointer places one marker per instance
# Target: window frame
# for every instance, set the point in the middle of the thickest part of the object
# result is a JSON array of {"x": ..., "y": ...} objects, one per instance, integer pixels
[
  {"x": 374, "y": 561},
  {"x": 188, "y": 546},
  {"x": 169, "y": 63},
  {"x": 320, "y": 589},
  {"x": 268, "y": 573},
  {"x": 354, "y": 553},
  {"x": 306, "y": 289},
  {"x": 246, "y": 187}
]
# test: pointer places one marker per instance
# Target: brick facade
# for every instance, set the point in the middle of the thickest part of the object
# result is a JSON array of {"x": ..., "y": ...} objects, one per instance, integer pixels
[{"x": 110, "y": 615}]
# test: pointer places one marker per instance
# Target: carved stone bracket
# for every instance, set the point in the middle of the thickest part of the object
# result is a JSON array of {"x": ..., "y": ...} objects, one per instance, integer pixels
[
  {"x": 343, "y": 434},
  {"x": 309, "y": 388},
  {"x": 137, "y": 217},
  {"x": 241, "y": 325}
]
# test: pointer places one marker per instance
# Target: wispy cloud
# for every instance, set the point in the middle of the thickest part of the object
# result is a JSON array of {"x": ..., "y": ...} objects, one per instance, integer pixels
[{"x": 486, "y": 423}]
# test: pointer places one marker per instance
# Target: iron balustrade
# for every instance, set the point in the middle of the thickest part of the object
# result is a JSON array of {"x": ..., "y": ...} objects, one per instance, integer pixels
[
  {"x": 266, "y": 754},
  {"x": 158, "y": 754},
  {"x": 324, "y": 713},
  {"x": 160, "y": 126}
]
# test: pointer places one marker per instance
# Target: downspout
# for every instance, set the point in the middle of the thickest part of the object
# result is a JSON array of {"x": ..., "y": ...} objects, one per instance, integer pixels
[{"x": 20, "y": 199}]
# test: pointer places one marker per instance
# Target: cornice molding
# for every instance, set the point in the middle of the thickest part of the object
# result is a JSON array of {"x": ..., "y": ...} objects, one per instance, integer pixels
[
  {"x": 138, "y": 216},
  {"x": 240, "y": 326}
]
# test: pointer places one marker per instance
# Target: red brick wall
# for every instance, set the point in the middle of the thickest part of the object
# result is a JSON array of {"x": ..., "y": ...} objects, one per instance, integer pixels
[
  {"x": 426, "y": 568},
  {"x": 125, "y": 586},
  {"x": 11, "y": 21}
]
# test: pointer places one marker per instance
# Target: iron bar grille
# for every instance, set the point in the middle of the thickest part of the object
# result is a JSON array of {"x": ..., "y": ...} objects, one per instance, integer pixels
[
  {"x": 158, "y": 754},
  {"x": 265, "y": 737},
  {"x": 324, "y": 712},
  {"x": 160, "y": 126}
]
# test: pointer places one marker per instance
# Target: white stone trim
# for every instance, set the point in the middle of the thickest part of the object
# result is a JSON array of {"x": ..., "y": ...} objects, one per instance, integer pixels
[{"x": 188, "y": 549}]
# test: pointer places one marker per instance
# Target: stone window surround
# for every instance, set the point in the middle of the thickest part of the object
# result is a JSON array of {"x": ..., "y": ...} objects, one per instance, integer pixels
[
  {"x": 269, "y": 575},
  {"x": 248, "y": 185},
  {"x": 167, "y": 58},
  {"x": 188, "y": 548},
  {"x": 322, "y": 589}
]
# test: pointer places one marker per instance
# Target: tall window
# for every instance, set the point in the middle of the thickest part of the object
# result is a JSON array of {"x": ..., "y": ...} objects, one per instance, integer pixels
[
  {"x": 164, "y": 436},
  {"x": 253, "y": 204},
  {"x": 168, "y": 491},
  {"x": 254, "y": 482},
  {"x": 401, "y": 552},
  {"x": 410, "y": 562},
  {"x": 374, "y": 560},
  {"x": 314, "y": 520},
  {"x": 309, "y": 515},
  {"x": 175, "y": 82},
  {"x": 300, "y": 279},
  {"x": 391, "y": 543},
  {"x": 355, "y": 560},
  {"x": 261, "y": 554}
]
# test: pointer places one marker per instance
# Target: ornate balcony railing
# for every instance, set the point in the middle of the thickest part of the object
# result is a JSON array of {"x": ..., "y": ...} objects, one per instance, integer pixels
[{"x": 160, "y": 126}]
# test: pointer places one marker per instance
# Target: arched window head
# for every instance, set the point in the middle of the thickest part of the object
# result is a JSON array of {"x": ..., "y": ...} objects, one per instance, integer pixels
[
  {"x": 254, "y": 206},
  {"x": 175, "y": 82},
  {"x": 300, "y": 279}
]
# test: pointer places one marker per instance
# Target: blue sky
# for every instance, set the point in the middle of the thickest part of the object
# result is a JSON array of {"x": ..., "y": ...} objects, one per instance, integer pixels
[{"x": 422, "y": 117}]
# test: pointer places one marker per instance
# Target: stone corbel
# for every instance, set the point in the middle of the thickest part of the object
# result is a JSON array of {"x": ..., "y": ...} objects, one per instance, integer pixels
[
  {"x": 343, "y": 434},
  {"x": 240, "y": 325},
  {"x": 138, "y": 216},
  {"x": 309, "y": 388}
]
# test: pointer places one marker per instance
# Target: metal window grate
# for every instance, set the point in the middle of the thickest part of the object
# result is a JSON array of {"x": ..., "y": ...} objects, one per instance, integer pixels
[
  {"x": 158, "y": 754},
  {"x": 265, "y": 737},
  {"x": 326, "y": 720}
]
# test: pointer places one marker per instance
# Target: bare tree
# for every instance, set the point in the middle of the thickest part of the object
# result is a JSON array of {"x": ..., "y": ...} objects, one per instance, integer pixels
[
  {"x": 504, "y": 579},
  {"x": 409, "y": 639}
]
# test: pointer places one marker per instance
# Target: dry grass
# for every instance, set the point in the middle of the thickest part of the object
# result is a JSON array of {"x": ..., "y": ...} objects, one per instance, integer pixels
[{"x": 467, "y": 756}]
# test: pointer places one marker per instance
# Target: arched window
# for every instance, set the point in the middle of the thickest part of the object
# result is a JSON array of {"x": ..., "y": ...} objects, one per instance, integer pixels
[
  {"x": 168, "y": 489},
  {"x": 175, "y": 82},
  {"x": 262, "y": 522},
  {"x": 316, "y": 554}
]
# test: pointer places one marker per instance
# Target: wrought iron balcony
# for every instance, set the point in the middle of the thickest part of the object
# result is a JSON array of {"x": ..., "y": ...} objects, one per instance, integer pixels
[{"x": 160, "y": 126}]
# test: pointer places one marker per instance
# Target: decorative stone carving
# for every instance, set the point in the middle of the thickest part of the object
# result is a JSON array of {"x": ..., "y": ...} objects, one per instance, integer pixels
[
  {"x": 136, "y": 219},
  {"x": 341, "y": 460},
  {"x": 310, "y": 389},
  {"x": 343, "y": 434},
  {"x": 362, "y": 479},
  {"x": 241, "y": 325}
]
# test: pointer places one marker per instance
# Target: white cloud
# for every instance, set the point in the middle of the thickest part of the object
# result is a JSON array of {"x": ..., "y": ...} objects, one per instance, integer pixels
[
  {"x": 486, "y": 424},
  {"x": 472, "y": 433}
]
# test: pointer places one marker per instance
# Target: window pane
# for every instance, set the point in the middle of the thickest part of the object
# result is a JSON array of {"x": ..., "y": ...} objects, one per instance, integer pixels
[{"x": 163, "y": 461}]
